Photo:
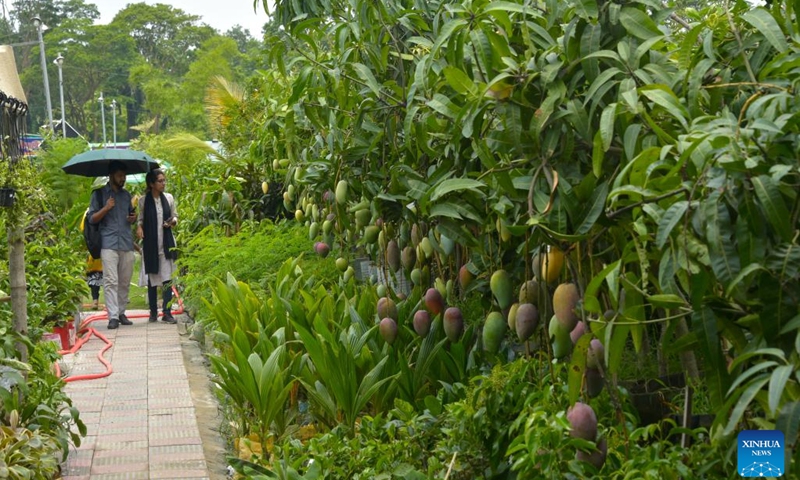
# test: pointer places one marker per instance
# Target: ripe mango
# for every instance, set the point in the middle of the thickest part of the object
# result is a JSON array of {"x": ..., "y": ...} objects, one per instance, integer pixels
[
  {"x": 594, "y": 382},
  {"x": 453, "y": 324},
  {"x": 565, "y": 300},
  {"x": 500, "y": 284},
  {"x": 264, "y": 187},
  {"x": 393, "y": 255},
  {"x": 341, "y": 192},
  {"x": 548, "y": 267},
  {"x": 299, "y": 215},
  {"x": 387, "y": 308},
  {"x": 408, "y": 257},
  {"x": 597, "y": 457},
  {"x": 582, "y": 422},
  {"x": 434, "y": 301},
  {"x": 388, "y": 328},
  {"x": 465, "y": 277},
  {"x": 596, "y": 354},
  {"x": 422, "y": 323},
  {"x": 322, "y": 249},
  {"x": 527, "y": 321}
]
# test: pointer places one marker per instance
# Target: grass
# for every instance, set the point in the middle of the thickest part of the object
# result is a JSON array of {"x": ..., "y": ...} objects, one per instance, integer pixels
[{"x": 137, "y": 298}]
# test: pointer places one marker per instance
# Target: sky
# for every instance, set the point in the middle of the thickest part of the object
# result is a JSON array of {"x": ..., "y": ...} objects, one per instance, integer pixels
[{"x": 220, "y": 14}]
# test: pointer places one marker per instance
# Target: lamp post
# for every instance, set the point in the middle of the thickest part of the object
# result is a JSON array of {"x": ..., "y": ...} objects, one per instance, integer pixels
[
  {"x": 60, "y": 61},
  {"x": 37, "y": 22},
  {"x": 103, "y": 116},
  {"x": 114, "y": 119}
]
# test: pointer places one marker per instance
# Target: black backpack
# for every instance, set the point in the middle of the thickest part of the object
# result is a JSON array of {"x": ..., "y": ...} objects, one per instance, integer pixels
[{"x": 91, "y": 231}]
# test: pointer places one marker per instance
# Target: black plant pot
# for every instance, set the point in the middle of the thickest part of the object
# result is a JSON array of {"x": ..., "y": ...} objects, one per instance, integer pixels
[{"x": 7, "y": 197}]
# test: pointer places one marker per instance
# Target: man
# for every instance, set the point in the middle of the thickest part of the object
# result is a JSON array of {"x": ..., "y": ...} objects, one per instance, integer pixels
[{"x": 115, "y": 214}]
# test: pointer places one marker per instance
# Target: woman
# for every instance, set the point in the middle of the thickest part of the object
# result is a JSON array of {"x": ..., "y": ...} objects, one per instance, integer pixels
[
  {"x": 157, "y": 216},
  {"x": 94, "y": 273}
]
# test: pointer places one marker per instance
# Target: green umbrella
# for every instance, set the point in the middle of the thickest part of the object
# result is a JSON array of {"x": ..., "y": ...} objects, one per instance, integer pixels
[{"x": 94, "y": 163}]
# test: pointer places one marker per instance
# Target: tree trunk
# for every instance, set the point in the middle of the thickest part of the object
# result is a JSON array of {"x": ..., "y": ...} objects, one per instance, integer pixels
[{"x": 19, "y": 294}]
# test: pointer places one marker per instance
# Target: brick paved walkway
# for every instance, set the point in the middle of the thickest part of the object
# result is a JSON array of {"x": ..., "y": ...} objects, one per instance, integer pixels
[{"x": 140, "y": 420}]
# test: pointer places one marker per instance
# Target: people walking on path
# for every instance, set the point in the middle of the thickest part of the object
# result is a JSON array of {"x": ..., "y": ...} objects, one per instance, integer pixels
[
  {"x": 157, "y": 217},
  {"x": 115, "y": 214}
]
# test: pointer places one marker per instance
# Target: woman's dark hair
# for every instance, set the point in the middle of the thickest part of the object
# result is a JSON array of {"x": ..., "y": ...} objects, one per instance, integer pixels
[{"x": 151, "y": 177}]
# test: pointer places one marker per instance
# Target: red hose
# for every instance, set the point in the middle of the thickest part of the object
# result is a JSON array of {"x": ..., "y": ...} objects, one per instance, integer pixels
[{"x": 89, "y": 331}]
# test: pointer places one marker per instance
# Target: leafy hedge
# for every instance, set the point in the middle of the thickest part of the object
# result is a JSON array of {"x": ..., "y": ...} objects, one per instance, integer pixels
[{"x": 252, "y": 256}]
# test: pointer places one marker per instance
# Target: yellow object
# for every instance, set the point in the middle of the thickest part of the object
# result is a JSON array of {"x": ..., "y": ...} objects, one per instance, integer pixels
[{"x": 94, "y": 264}]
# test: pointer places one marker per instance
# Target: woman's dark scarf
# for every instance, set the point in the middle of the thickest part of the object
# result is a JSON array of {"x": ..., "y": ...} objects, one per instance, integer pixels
[{"x": 151, "y": 226}]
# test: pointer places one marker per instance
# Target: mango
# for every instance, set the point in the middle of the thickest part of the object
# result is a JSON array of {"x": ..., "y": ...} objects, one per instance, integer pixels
[
  {"x": 422, "y": 322},
  {"x": 388, "y": 328},
  {"x": 562, "y": 344},
  {"x": 416, "y": 275},
  {"x": 313, "y": 230},
  {"x": 577, "y": 332},
  {"x": 299, "y": 215},
  {"x": 596, "y": 354},
  {"x": 427, "y": 247},
  {"x": 453, "y": 324},
  {"x": 494, "y": 331},
  {"x": 529, "y": 292},
  {"x": 381, "y": 290},
  {"x": 416, "y": 236},
  {"x": 582, "y": 421},
  {"x": 465, "y": 277},
  {"x": 500, "y": 284},
  {"x": 264, "y": 187},
  {"x": 387, "y": 308},
  {"x": 408, "y": 257},
  {"x": 322, "y": 249},
  {"x": 565, "y": 300},
  {"x": 362, "y": 218},
  {"x": 502, "y": 229},
  {"x": 527, "y": 321},
  {"x": 349, "y": 273},
  {"x": 327, "y": 226},
  {"x": 341, "y": 264},
  {"x": 448, "y": 245},
  {"x": 371, "y": 234},
  {"x": 434, "y": 301},
  {"x": 594, "y": 382},
  {"x": 315, "y": 212},
  {"x": 440, "y": 285},
  {"x": 597, "y": 457},
  {"x": 393, "y": 255},
  {"x": 512, "y": 317},
  {"x": 341, "y": 192},
  {"x": 548, "y": 267}
]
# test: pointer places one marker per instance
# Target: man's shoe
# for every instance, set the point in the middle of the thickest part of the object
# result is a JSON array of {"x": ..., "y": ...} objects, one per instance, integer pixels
[
  {"x": 153, "y": 317},
  {"x": 113, "y": 323},
  {"x": 123, "y": 320},
  {"x": 168, "y": 318}
]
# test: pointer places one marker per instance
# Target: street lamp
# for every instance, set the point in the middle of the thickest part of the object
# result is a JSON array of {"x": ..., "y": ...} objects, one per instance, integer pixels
[
  {"x": 60, "y": 61},
  {"x": 103, "y": 116},
  {"x": 114, "y": 119},
  {"x": 37, "y": 22}
]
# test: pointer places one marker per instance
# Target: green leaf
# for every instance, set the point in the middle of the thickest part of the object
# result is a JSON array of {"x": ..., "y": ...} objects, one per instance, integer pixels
[
  {"x": 669, "y": 219},
  {"x": 615, "y": 339},
  {"x": 722, "y": 252},
  {"x": 459, "y": 81},
  {"x": 704, "y": 324},
  {"x": 366, "y": 75},
  {"x": 666, "y": 300},
  {"x": 744, "y": 401},
  {"x": 587, "y": 9},
  {"x": 667, "y": 100},
  {"x": 777, "y": 384},
  {"x": 598, "y": 154},
  {"x": 638, "y": 23},
  {"x": 447, "y": 30},
  {"x": 607, "y": 127},
  {"x": 444, "y": 105},
  {"x": 746, "y": 271},
  {"x": 769, "y": 196},
  {"x": 594, "y": 208},
  {"x": 455, "y": 185},
  {"x": 577, "y": 367},
  {"x": 789, "y": 421},
  {"x": 762, "y": 20}
]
